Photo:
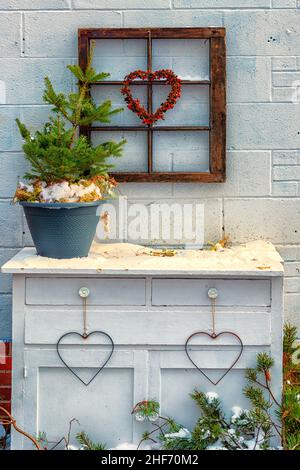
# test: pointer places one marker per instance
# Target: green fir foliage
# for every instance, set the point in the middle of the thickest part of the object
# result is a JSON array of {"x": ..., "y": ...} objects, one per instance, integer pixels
[
  {"x": 87, "y": 444},
  {"x": 57, "y": 152},
  {"x": 291, "y": 388}
]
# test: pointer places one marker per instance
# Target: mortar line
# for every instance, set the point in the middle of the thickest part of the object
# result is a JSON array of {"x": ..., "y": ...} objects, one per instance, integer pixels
[
  {"x": 252, "y": 56},
  {"x": 211, "y": 9},
  {"x": 22, "y": 33}
]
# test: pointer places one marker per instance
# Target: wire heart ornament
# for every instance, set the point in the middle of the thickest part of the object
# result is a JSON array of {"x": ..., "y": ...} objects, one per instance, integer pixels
[
  {"x": 214, "y": 336},
  {"x": 85, "y": 337},
  {"x": 135, "y": 106}
]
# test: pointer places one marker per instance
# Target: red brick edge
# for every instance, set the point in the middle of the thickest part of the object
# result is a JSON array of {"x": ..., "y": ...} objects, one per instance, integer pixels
[{"x": 5, "y": 375}]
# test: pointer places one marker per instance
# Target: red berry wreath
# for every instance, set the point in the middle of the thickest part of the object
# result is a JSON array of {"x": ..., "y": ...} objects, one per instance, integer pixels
[{"x": 135, "y": 105}]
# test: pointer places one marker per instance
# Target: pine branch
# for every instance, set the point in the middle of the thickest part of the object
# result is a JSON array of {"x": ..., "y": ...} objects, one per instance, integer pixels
[
  {"x": 57, "y": 152},
  {"x": 59, "y": 101},
  {"x": 87, "y": 443},
  {"x": 23, "y": 130},
  {"x": 289, "y": 338}
]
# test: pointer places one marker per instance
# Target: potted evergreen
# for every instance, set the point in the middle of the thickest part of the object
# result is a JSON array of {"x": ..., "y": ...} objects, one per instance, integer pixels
[{"x": 69, "y": 177}]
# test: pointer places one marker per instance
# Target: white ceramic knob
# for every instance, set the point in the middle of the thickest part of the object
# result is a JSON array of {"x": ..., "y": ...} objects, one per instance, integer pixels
[
  {"x": 212, "y": 293},
  {"x": 84, "y": 292}
]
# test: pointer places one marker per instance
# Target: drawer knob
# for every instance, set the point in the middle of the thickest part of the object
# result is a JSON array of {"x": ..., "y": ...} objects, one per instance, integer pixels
[
  {"x": 84, "y": 292},
  {"x": 212, "y": 293}
]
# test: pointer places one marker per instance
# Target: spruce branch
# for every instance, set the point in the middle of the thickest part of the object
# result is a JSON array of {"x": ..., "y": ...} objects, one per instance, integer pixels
[
  {"x": 59, "y": 101},
  {"x": 23, "y": 130},
  {"x": 289, "y": 338},
  {"x": 254, "y": 392},
  {"x": 57, "y": 152},
  {"x": 87, "y": 443}
]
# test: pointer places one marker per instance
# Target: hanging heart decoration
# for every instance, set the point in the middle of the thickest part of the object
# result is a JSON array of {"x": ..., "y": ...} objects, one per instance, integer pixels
[
  {"x": 85, "y": 337},
  {"x": 134, "y": 104},
  {"x": 214, "y": 336}
]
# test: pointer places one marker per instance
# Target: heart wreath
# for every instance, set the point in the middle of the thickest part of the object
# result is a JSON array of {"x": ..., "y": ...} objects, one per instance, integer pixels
[{"x": 134, "y": 104}]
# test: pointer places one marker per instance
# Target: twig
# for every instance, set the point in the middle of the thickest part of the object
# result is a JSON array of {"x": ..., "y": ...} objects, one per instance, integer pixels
[
  {"x": 64, "y": 438},
  {"x": 58, "y": 442},
  {"x": 231, "y": 437},
  {"x": 267, "y": 387},
  {"x": 157, "y": 427},
  {"x": 13, "y": 422},
  {"x": 256, "y": 439},
  {"x": 296, "y": 446}
]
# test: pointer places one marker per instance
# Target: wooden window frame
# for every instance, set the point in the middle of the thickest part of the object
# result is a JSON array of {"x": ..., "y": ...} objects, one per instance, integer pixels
[{"x": 217, "y": 99}]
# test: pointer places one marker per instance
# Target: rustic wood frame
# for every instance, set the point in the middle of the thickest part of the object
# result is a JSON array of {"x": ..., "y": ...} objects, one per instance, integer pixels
[{"x": 217, "y": 99}]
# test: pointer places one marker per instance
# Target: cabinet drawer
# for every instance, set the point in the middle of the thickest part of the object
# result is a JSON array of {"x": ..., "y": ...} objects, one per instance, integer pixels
[
  {"x": 157, "y": 327},
  {"x": 103, "y": 291},
  {"x": 194, "y": 292}
]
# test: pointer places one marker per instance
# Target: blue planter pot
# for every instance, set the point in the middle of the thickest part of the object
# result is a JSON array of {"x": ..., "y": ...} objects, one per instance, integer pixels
[{"x": 62, "y": 230}]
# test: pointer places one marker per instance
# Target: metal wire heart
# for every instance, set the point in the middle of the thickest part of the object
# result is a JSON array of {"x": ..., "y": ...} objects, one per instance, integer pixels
[
  {"x": 214, "y": 336},
  {"x": 85, "y": 337}
]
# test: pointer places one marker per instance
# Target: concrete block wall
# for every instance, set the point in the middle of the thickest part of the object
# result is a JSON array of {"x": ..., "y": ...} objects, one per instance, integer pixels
[{"x": 261, "y": 197}]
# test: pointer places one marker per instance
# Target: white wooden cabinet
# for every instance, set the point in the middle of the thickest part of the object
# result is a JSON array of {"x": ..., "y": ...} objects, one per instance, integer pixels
[{"x": 149, "y": 312}]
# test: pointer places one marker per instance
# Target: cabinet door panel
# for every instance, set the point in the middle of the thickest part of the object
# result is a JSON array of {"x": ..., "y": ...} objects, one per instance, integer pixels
[
  {"x": 177, "y": 403},
  {"x": 107, "y": 399},
  {"x": 53, "y": 396},
  {"x": 172, "y": 378}
]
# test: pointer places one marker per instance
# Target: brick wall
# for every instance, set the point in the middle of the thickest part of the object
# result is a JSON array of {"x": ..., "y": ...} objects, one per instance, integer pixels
[
  {"x": 5, "y": 375},
  {"x": 261, "y": 195}
]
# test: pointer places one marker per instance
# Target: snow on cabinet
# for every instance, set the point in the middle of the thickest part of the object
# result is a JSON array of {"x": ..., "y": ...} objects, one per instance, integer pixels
[{"x": 149, "y": 306}]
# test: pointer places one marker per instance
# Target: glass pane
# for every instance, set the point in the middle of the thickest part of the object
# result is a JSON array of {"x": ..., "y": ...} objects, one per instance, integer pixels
[
  {"x": 188, "y": 58},
  {"x": 180, "y": 151},
  {"x": 112, "y": 92},
  {"x": 120, "y": 56},
  {"x": 135, "y": 155},
  {"x": 192, "y": 108}
]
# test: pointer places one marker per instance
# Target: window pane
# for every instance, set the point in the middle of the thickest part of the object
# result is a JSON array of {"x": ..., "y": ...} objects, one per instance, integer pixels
[
  {"x": 120, "y": 56},
  {"x": 192, "y": 108},
  {"x": 188, "y": 58},
  {"x": 135, "y": 156},
  {"x": 112, "y": 92},
  {"x": 180, "y": 151}
]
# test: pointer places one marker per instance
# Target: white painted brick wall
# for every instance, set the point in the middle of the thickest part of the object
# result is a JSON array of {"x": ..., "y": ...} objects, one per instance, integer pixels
[
  {"x": 120, "y": 4},
  {"x": 266, "y": 32},
  {"x": 11, "y": 34},
  {"x": 277, "y": 220},
  {"x": 286, "y": 173},
  {"x": 261, "y": 195},
  {"x": 283, "y": 94},
  {"x": 238, "y": 4},
  {"x": 285, "y": 188},
  {"x": 285, "y": 157},
  {"x": 285, "y": 78},
  {"x": 249, "y": 79},
  {"x": 35, "y": 4},
  {"x": 284, "y": 63},
  {"x": 284, "y": 3},
  {"x": 263, "y": 126},
  {"x": 33, "y": 73}
]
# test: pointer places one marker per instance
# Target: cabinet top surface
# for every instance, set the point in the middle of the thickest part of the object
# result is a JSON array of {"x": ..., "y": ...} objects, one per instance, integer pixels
[{"x": 258, "y": 258}]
